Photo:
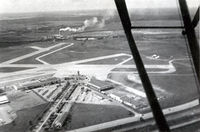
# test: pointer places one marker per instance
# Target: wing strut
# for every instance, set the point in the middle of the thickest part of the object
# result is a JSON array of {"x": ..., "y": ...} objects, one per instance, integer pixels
[
  {"x": 151, "y": 96},
  {"x": 191, "y": 37}
]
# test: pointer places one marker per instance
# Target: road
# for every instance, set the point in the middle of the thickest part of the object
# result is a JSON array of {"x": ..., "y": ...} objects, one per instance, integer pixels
[
  {"x": 38, "y": 58},
  {"x": 136, "y": 118},
  {"x": 97, "y": 71},
  {"x": 41, "y": 50},
  {"x": 50, "y": 111}
]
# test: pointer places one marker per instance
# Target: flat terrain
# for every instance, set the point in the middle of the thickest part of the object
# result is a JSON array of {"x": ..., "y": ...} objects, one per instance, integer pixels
[
  {"x": 12, "y": 69},
  {"x": 28, "y": 107},
  {"x": 29, "y": 47},
  {"x": 90, "y": 114},
  {"x": 8, "y": 53},
  {"x": 21, "y": 123}
]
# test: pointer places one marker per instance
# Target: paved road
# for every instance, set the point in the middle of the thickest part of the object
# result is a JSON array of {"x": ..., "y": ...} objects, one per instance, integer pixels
[
  {"x": 50, "y": 111},
  {"x": 124, "y": 121},
  {"x": 38, "y": 58},
  {"x": 32, "y": 54}
]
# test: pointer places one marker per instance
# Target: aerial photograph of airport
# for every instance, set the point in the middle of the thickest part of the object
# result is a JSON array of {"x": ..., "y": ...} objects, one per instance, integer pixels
[{"x": 72, "y": 66}]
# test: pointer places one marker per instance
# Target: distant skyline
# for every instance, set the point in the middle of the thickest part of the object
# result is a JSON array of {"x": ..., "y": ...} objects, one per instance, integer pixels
[{"x": 17, "y": 6}]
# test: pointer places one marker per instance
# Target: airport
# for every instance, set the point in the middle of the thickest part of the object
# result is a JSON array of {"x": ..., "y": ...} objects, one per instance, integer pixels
[{"x": 77, "y": 71}]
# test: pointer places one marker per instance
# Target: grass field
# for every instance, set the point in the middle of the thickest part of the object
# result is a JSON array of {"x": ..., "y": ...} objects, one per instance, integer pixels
[
  {"x": 83, "y": 115},
  {"x": 21, "y": 123},
  {"x": 21, "y": 100},
  {"x": 12, "y": 69},
  {"x": 87, "y": 50},
  {"x": 13, "y": 52}
]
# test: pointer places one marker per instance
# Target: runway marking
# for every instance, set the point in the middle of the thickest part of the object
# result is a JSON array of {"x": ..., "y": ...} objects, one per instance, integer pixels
[
  {"x": 38, "y": 58},
  {"x": 21, "y": 65},
  {"x": 170, "y": 68},
  {"x": 36, "y": 47},
  {"x": 97, "y": 58},
  {"x": 121, "y": 63},
  {"x": 31, "y": 54},
  {"x": 149, "y": 66}
]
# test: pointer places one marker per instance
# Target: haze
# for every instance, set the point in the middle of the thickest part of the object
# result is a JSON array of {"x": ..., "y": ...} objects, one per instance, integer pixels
[{"x": 16, "y": 6}]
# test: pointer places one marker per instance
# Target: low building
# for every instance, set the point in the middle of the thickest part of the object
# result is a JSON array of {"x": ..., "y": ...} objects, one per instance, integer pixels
[
  {"x": 107, "y": 87},
  {"x": 39, "y": 83},
  {"x": 62, "y": 116},
  {"x": 58, "y": 37},
  {"x": 4, "y": 99},
  {"x": 101, "y": 85},
  {"x": 115, "y": 97}
]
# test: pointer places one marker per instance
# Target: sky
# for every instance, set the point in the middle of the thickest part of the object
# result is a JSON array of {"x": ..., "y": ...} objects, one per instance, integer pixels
[{"x": 16, "y": 6}]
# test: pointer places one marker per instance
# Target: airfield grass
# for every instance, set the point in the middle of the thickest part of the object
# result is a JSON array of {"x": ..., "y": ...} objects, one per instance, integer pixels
[
  {"x": 28, "y": 107},
  {"x": 184, "y": 67},
  {"x": 21, "y": 100},
  {"x": 21, "y": 123},
  {"x": 13, "y": 52},
  {"x": 148, "y": 45},
  {"x": 83, "y": 115},
  {"x": 12, "y": 69},
  {"x": 180, "y": 88},
  {"x": 88, "y": 49},
  {"x": 20, "y": 33},
  {"x": 32, "y": 59},
  {"x": 43, "y": 44}
]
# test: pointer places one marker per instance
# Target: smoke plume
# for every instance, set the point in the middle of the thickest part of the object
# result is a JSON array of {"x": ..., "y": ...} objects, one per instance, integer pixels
[
  {"x": 87, "y": 23},
  {"x": 106, "y": 16},
  {"x": 93, "y": 22}
]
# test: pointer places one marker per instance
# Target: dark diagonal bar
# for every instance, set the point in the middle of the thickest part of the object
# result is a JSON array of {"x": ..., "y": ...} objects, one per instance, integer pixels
[
  {"x": 195, "y": 19},
  {"x": 155, "y": 107},
  {"x": 192, "y": 40}
]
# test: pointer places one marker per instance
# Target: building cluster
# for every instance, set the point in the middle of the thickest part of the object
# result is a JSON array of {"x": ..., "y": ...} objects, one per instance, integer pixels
[
  {"x": 37, "y": 83},
  {"x": 3, "y": 99},
  {"x": 105, "y": 88},
  {"x": 134, "y": 101},
  {"x": 102, "y": 88},
  {"x": 7, "y": 114},
  {"x": 54, "y": 37},
  {"x": 86, "y": 38},
  {"x": 60, "y": 115},
  {"x": 100, "y": 85}
]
